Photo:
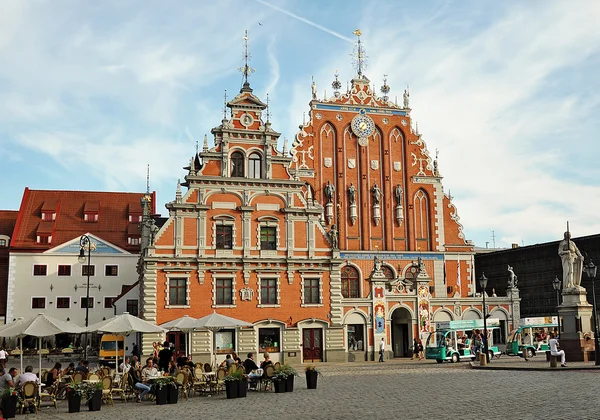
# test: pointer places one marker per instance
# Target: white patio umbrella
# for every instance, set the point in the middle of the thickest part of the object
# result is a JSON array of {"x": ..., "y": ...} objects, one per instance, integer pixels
[
  {"x": 215, "y": 322},
  {"x": 186, "y": 324},
  {"x": 39, "y": 326},
  {"x": 124, "y": 325}
]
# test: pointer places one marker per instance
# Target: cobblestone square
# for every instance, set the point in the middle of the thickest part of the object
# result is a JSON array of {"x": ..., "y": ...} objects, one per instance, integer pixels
[{"x": 403, "y": 390}]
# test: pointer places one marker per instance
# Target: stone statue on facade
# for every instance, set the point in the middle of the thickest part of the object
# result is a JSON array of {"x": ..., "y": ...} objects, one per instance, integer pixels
[
  {"x": 377, "y": 263},
  {"x": 512, "y": 278},
  {"x": 405, "y": 98},
  {"x": 352, "y": 194},
  {"x": 314, "y": 89},
  {"x": 333, "y": 236},
  {"x": 376, "y": 194},
  {"x": 398, "y": 193},
  {"x": 329, "y": 190},
  {"x": 572, "y": 263}
]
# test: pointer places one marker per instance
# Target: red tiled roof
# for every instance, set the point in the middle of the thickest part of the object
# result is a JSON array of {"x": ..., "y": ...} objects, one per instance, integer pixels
[
  {"x": 8, "y": 218},
  {"x": 125, "y": 289},
  {"x": 112, "y": 225},
  {"x": 91, "y": 207}
]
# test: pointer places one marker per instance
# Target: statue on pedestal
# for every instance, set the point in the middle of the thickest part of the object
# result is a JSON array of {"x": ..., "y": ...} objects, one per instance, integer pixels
[
  {"x": 329, "y": 190},
  {"x": 352, "y": 194},
  {"x": 512, "y": 279},
  {"x": 572, "y": 263},
  {"x": 376, "y": 194},
  {"x": 333, "y": 236}
]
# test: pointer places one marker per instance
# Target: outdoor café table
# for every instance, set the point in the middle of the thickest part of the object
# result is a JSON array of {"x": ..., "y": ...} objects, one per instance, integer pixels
[{"x": 91, "y": 381}]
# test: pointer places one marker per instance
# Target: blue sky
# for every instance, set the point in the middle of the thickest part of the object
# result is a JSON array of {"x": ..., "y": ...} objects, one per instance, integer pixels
[{"x": 508, "y": 92}]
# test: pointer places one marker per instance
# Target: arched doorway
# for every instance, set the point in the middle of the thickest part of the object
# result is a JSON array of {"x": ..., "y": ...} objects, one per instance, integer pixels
[
  {"x": 499, "y": 335},
  {"x": 401, "y": 332}
]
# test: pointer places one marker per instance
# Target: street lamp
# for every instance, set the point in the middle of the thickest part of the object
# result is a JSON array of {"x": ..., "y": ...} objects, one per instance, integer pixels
[
  {"x": 483, "y": 283},
  {"x": 84, "y": 242},
  {"x": 590, "y": 270},
  {"x": 556, "y": 285}
]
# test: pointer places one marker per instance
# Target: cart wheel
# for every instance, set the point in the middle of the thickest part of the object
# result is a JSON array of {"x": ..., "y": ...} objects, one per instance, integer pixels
[
  {"x": 529, "y": 353},
  {"x": 455, "y": 358},
  {"x": 490, "y": 354}
]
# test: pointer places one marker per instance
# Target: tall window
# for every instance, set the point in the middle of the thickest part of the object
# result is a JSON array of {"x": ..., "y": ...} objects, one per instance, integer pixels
[
  {"x": 268, "y": 238},
  {"x": 224, "y": 292},
  {"x": 237, "y": 164},
  {"x": 38, "y": 303},
  {"x": 255, "y": 166},
  {"x": 268, "y": 291},
  {"x": 132, "y": 306},
  {"x": 40, "y": 270},
  {"x": 311, "y": 291},
  {"x": 90, "y": 302},
  {"x": 224, "y": 236},
  {"x": 64, "y": 270},
  {"x": 88, "y": 268},
  {"x": 177, "y": 292},
  {"x": 421, "y": 221},
  {"x": 350, "y": 282}
]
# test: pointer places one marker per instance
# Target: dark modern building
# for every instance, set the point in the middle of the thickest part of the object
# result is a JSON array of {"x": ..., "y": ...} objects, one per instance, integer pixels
[{"x": 536, "y": 266}]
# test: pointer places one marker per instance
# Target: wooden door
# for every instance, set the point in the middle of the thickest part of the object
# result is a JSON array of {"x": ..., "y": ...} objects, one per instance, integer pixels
[{"x": 312, "y": 344}]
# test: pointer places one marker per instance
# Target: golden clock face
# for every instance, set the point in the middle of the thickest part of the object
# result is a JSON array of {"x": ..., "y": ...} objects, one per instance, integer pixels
[{"x": 362, "y": 125}]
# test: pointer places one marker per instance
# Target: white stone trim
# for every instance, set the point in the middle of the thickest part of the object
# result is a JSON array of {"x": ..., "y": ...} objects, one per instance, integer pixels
[
  {"x": 223, "y": 221},
  {"x": 268, "y": 221},
  {"x": 276, "y": 277},
  {"x": 311, "y": 276},
  {"x": 438, "y": 224},
  {"x": 168, "y": 277}
]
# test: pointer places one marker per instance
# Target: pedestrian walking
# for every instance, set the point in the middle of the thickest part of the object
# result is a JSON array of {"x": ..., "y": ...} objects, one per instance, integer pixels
[
  {"x": 381, "y": 349},
  {"x": 415, "y": 349},
  {"x": 420, "y": 349}
]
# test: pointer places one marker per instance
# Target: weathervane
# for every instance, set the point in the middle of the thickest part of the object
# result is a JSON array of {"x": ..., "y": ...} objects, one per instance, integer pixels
[
  {"x": 246, "y": 70},
  {"x": 225, "y": 105},
  {"x": 385, "y": 89},
  {"x": 360, "y": 58},
  {"x": 268, "y": 110}
]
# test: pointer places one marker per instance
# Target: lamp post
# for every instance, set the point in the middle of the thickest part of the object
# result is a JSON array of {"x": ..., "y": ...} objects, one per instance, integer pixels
[
  {"x": 483, "y": 283},
  {"x": 556, "y": 285},
  {"x": 590, "y": 270},
  {"x": 84, "y": 242}
]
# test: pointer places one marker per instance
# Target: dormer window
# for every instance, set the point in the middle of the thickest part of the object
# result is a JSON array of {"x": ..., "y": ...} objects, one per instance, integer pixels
[
  {"x": 91, "y": 211},
  {"x": 255, "y": 166},
  {"x": 48, "y": 216},
  {"x": 133, "y": 241},
  {"x": 135, "y": 218},
  {"x": 44, "y": 239},
  {"x": 49, "y": 209},
  {"x": 237, "y": 164}
]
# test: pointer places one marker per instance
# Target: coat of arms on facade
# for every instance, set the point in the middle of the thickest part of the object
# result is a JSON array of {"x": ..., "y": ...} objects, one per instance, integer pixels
[
  {"x": 374, "y": 165},
  {"x": 328, "y": 162},
  {"x": 246, "y": 293},
  {"x": 397, "y": 166},
  {"x": 351, "y": 163}
]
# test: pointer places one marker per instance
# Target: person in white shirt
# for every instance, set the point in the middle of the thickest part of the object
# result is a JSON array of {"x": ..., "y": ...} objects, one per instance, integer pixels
[
  {"x": 125, "y": 366},
  {"x": 28, "y": 376},
  {"x": 554, "y": 351},
  {"x": 381, "y": 349},
  {"x": 2, "y": 358},
  {"x": 149, "y": 370}
]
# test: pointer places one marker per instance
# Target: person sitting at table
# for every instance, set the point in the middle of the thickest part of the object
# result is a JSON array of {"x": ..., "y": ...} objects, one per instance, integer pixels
[
  {"x": 135, "y": 363},
  {"x": 84, "y": 367},
  {"x": 182, "y": 361},
  {"x": 28, "y": 376},
  {"x": 69, "y": 369},
  {"x": 53, "y": 375},
  {"x": 266, "y": 362},
  {"x": 6, "y": 380},
  {"x": 125, "y": 366},
  {"x": 172, "y": 368},
  {"x": 249, "y": 366},
  {"x": 190, "y": 363},
  {"x": 227, "y": 362},
  {"x": 136, "y": 383},
  {"x": 149, "y": 370}
]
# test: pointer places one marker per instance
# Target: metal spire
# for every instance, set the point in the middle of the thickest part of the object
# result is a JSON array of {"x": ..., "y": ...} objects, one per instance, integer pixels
[
  {"x": 148, "y": 179},
  {"x": 205, "y": 146},
  {"x": 246, "y": 70},
  {"x": 268, "y": 110},
  {"x": 225, "y": 105},
  {"x": 360, "y": 58},
  {"x": 385, "y": 89}
]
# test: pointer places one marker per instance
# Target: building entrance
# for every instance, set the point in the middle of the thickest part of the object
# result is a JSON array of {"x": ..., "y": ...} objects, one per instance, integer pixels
[
  {"x": 401, "y": 332},
  {"x": 312, "y": 344}
]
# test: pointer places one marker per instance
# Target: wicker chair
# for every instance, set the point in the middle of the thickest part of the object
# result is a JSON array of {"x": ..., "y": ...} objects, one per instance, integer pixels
[
  {"x": 266, "y": 381},
  {"x": 77, "y": 377},
  {"x": 29, "y": 396},
  {"x": 207, "y": 367},
  {"x": 107, "y": 390},
  {"x": 183, "y": 383},
  {"x": 121, "y": 391},
  {"x": 50, "y": 394},
  {"x": 218, "y": 384},
  {"x": 93, "y": 377}
]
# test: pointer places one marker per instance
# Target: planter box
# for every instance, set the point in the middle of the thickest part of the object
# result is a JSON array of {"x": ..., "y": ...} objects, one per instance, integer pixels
[
  {"x": 311, "y": 379},
  {"x": 279, "y": 385},
  {"x": 161, "y": 395},
  {"x": 95, "y": 403},
  {"x": 243, "y": 389},
  {"x": 231, "y": 389},
  {"x": 172, "y": 394},
  {"x": 74, "y": 402},
  {"x": 9, "y": 406},
  {"x": 289, "y": 384}
]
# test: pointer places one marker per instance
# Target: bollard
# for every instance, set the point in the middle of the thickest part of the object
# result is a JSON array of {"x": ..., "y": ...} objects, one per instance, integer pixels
[
  {"x": 553, "y": 363},
  {"x": 482, "y": 359}
]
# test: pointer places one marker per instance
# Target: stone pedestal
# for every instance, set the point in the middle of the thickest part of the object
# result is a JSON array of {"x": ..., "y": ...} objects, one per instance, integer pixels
[{"x": 576, "y": 337}]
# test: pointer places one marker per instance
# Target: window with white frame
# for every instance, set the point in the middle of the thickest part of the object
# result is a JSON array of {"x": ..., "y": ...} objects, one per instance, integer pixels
[
  {"x": 178, "y": 292},
  {"x": 268, "y": 290},
  {"x": 268, "y": 233},
  {"x": 224, "y": 292},
  {"x": 224, "y": 232},
  {"x": 255, "y": 166},
  {"x": 312, "y": 291},
  {"x": 237, "y": 164}
]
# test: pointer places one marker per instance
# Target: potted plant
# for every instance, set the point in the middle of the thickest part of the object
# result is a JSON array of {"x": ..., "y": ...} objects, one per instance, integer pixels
[
  {"x": 243, "y": 383},
  {"x": 161, "y": 389},
  {"x": 74, "y": 393},
  {"x": 172, "y": 393},
  {"x": 10, "y": 399},
  {"x": 311, "y": 376},
  {"x": 290, "y": 373},
  {"x": 232, "y": 384},
  {"x": 279, "y": 381},
  {"x": 93, "y": 393}
]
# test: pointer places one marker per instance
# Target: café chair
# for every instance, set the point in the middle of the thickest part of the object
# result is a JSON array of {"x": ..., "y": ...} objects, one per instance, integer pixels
[
  {"x": 50, "y": 394},
  {"x": 77, "y": 377},
  {"x": 29, "y": 396},
  {"x": 107, "y": 390},
  {"x": 120, "y": 391}
]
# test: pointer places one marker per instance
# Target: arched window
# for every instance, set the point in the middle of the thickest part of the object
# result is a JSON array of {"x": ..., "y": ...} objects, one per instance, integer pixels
[
  {"x": 387, "y": 272},
  {"x": 237, "y": 164},
  {"x": 255, "y": 166},
  {"x": 421, "y": 209},
  {"x": 350, "y": 282}
]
